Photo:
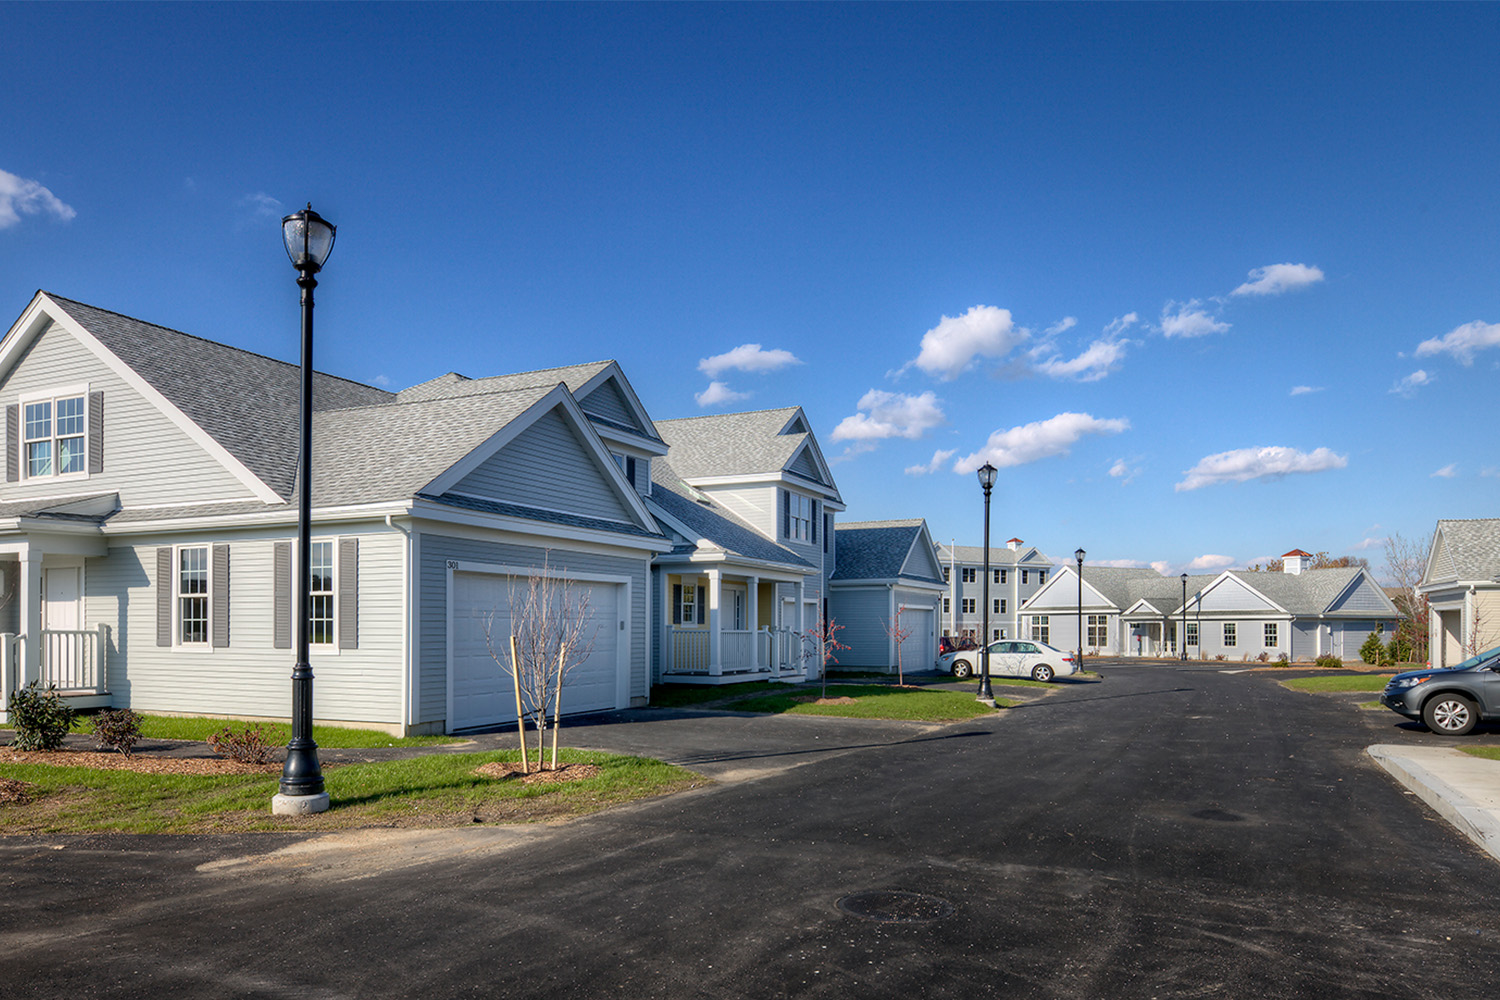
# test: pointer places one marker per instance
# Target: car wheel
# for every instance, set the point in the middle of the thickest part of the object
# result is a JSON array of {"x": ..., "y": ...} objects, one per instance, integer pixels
[
  {"x": 1450, "y": 715},
  {"x": 1041, "y": 672},
  {"x": 962, "y": 669}
]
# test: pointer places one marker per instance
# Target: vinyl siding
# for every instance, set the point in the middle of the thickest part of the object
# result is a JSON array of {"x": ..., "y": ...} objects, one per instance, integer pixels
[
  {"x": 863, "y": 612},
  {"x": 1364, "y": 598},
  {"x": 548, "y": 466},
  {"x": 1231, "y": 595},
  {"x": 1304, "y": 644},
  {"x": 606, "y": 401},
  {"x": 432, "y": 636},
  {"x": 249, "y": 677},
  {"x": 147, "y": 458},
  {"x": 805, "y": 467},
  {"x": 759, "y": 506}
]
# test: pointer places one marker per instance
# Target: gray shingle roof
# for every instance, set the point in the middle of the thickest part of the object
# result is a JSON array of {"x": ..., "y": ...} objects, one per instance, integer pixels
[
  {"x": 875, "y": 550},
  {"x": 714, "y": 523},
  {"x": 974, "y": 554},
  {"x": 731, "y": 444},
  {"x": 454, "y": 384},
  {"x": 534, "y": 514},
  {"x": 245, "y": 401},
  {"x": 1470, "y": 549},
  {"x": 1307, "y": 593}
]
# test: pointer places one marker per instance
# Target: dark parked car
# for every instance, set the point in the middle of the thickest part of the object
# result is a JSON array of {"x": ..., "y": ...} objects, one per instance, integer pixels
[
  {"x": 1451, "y": 701},
  {"x": 952, "y": 644}
]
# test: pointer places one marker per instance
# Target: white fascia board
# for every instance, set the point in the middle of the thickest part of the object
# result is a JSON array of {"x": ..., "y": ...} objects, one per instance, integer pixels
[
  {"x": 44, "y": 305},
  {"x": 614, "y": 371},
  {"x": 1432, "y": 547},
  {"x": 279, "y": 516},
  {"x": 831, "y": 497},
  {"x": 431, "y": 511},
  {"x": 558, "y": 397},
  {"x": 672, "y": 522},
  {"x": 765, "y": 570},
  {"x": 1141, "y": 607},
  {"x": 626, "y": 439}
]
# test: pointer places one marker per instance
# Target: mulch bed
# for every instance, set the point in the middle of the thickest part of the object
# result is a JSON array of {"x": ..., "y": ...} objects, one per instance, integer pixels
[
  {"x": 110, "y": 760},
  {"x": 564, "y": 772}
]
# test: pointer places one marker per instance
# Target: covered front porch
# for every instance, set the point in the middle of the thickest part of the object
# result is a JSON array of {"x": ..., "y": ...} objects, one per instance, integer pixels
[
  {"x": 44, "y": 634},
  {"x": 726, "y": 627}
]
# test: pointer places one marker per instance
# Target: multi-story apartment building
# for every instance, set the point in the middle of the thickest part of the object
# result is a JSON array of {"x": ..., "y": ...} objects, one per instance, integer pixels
[{"x": 1016, "y": 572}]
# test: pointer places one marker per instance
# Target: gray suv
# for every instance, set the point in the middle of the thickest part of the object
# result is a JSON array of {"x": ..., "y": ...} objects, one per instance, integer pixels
[{"x": 1451, "y": 701}]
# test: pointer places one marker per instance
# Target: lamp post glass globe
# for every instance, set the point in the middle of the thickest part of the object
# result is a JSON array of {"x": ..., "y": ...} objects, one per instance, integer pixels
[
  {"x": 308, "y": 238},
  {"x": 987, "y": 476}
]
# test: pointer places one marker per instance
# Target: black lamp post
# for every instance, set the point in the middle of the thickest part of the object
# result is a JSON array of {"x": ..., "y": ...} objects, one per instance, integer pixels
[
  {"x": 309, "y": 240},
  {"x": 986, "y": 480},
  {"x": 1079, "y": 554},
  {"x": 1182, "y": 640}
]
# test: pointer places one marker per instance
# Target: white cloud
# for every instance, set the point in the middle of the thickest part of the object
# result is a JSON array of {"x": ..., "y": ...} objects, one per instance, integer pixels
[
  {"x": 1210, "y": 563},
  {"x": 1245, "y": 464},
  {"x": 939, "y": 458},
  {"x": 262, "y": 205},
  {"x": 1368, "y": 543},
  {"x": 717, "y": 393},
  {"x": 1101, "y": 358},
  {"x": 381, "y": 380},
  {"x": 1277, "y": 278},
  {"x": 1122, "y": 471},
  {"x": 1121, "y": 323},
  {"x": 890, "y": 414},
  {"x": 1446, "y": 472},
  {"x": 1303, "y": 390},
  {"x": 1061, "y": 326},
  {"x": 1114, "y": 564},
  {"x": 747, "y": 358},
  {"x": 1189, "y": 320},
  {"x": 1490, "y": 472},
  {"x": 1038, "y": 440},
  {"x": 952, "y": 345},
  {"x": 19, "y": 196},
  {"x": 1163, "y": 567},
  {"x": 1462, "y": 341},
  {"x": 1410, "y": 384}
]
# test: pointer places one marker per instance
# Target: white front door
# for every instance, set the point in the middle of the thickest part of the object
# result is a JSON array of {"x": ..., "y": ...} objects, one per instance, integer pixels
[{"x": 62, "y": 592}]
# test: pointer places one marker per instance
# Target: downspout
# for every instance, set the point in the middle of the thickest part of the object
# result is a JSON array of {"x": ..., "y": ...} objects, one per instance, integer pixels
[{"x": 408, "y": 708}]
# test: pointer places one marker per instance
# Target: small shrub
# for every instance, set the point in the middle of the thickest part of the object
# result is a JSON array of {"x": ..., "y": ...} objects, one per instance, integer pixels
[
  {"x": 1220, "y": 656},
  {"x": 1399, "y": 651},
  {"x": 116, "y": 729},
  {"x": 248, "y": 746},
  {"x": 1373, "y": 650},
  {"x": 41, "y": 719},
  {"x": 1263, "y": 657},
  {"x": 1283, "y": 659},
  {"x": 1328, "y": 660}
]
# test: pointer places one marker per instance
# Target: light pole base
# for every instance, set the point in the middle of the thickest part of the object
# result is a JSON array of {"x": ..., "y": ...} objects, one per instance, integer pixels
[
  {"x": 986, "y": 701},
  {"x": 299, "y": 805}
]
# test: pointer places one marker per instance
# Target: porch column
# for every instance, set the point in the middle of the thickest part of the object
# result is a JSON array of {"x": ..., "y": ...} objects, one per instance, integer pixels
[
  {"x": 802, "y": 619},
  {"x": 715, "y": 622},
  {"x": 752, "y": 619},
  {"x": 30, "y": 583},
  {"x": 668, "y": 640}
]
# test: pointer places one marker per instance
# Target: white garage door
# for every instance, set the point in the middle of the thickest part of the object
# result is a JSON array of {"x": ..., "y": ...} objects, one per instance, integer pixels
[
  {"x": 920, "y": 648},
  {"x": 481, "y": 691}
]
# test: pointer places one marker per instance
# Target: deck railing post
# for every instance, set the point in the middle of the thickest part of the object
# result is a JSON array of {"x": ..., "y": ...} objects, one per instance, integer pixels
[{"x": 7, "y": 672}]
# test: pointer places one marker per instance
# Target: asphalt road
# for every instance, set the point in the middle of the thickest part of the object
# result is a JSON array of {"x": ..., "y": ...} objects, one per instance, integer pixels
[{"x": 1169, "y": 832}]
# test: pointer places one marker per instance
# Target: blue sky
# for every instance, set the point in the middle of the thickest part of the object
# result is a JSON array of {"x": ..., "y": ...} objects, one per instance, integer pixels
[{"x": 1207, "y": 283}]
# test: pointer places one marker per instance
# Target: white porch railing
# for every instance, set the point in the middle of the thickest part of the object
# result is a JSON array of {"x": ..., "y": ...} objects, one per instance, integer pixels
[
  {"x": 689, "y": 651},
  {"x": 778, "y": 652},
  {"x": 73, "y": 660}
]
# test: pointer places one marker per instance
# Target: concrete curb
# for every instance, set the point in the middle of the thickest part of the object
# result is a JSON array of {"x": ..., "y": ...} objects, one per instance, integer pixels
[{"x": 1463, "y": 789}]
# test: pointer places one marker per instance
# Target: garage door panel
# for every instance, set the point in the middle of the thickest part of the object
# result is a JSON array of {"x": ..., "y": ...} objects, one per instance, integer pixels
[
  {"x": 482, "y": 690},
  {"x": 920, "y": 648}
]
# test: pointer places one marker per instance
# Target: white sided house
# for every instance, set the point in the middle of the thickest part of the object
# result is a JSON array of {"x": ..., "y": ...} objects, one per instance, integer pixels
[
  {"x": 886, "y": 575},
  {"x": 1295, "y": 614},
  {"x": 1462, "y": 585},
  {"x": 148, "y": 515},
  {"x": 748, "y": 503}
]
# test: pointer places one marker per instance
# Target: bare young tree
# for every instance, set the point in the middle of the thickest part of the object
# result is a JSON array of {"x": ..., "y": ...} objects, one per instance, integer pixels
[
  {"x": 1405, "y": 565},
  {"x": 551, "y": 632},
  {"x": 821, "y": 643},
  {"x": 900, "y": 633}
]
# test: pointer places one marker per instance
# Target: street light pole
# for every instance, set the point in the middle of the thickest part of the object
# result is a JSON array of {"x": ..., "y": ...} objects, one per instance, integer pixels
[
  {"x": 1079, "y": 554},
  {"x": 986, "y": 697},
  {"x": 1182, "y": 640},
  {"x": 309, "y": 240}
]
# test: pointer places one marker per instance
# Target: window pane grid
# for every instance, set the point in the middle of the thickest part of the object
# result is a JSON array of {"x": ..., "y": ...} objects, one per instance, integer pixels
[
  {"x": 192, "y": 595},
  {"x": 320, "y": 618},
  {"x": 54, "y": 436}
]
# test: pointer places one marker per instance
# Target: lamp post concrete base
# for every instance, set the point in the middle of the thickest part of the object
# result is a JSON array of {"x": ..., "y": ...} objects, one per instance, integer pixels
[
  {"x": 989, "y": 702},
  {"x": 299, "y": 805}
]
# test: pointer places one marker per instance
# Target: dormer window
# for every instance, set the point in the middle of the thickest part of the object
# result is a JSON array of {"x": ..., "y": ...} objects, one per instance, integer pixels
[{"x": 54, "y": 436}]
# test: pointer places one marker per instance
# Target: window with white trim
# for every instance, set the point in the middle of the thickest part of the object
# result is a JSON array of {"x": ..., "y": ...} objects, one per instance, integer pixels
[
  {"x": 799, "y": 514},
  {"x": 192, "y": 595},
  {"x": 1271, "y": 636},
  {"x": 1026, "y": 578},
  {"x": 1041, "y": 628},
  {"x": 947, "y": 575},
  {"x": 968, "y": 574},
  {"x": 999, "y": 605},
  {"x": 1004, "y": 575},
  {"x": 1192, "y": 633},
  {"x": 1098, "y": 631},
  {"x": 1041, "y": 577},
  {"x": 1230, "y": 637},
  {"x": 968, "y": 605},
  {"x": 947, "y": 606},
  {"x": 54, "y": 436},
  {"x": 320, "y": 620}
]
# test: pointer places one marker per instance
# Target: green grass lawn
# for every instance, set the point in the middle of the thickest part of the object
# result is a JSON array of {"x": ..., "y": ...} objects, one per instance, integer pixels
[
  {"x": 1488, "y": 753},
  {"x": 165, "y": 727},
  {"x": 688, "y": 695},
  {"x": 1339, "y": 682},
  {"x": 429, "y": 791},
  {"x": 1009, "y": 681},
  {"x": 871, "y": 701}
]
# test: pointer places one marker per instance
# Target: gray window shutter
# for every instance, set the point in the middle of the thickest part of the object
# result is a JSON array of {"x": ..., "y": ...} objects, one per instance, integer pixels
[
  {"x": 786, "y": 514},
  {"x": 348, "y": 597},
  {"x": 813, "y": 522},
  {"x": 163, "y": 595},
  {"x": 218, "y": 610},
  {"x": 281, "y": 595},
  {"x": 96, "y": 433},
  {"x": 676, "y": 604},
  {"x": 701, "y": 602},
  {"x": 12, "y": 443}
]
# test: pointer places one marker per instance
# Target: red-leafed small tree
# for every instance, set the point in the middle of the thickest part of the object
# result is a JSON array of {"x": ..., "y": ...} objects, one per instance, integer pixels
[
  {"x": 900, "y": 633},
  {"x": 821, "y": 643}
]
